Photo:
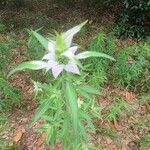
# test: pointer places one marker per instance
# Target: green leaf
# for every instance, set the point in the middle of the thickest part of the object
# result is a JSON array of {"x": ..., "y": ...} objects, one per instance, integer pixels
[
  {"x": 88, "y": 54},
  {"x": 41, "y": 39},
  {"x": 89, "y": 89},
  {"x": 42, "y": 127},
  {"x": 84, "y": 133},
  {"x": 41, "y": 110},
  {"x": 88, "y": 120},
  {"x": 84, "y": 94},
  {"x": 72, "y": 100},
  {"x": 33, "y": 65},
  {"x": 145, "y": 141}
]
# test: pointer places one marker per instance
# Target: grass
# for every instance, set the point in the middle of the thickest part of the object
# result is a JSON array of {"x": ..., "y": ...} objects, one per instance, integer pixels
[
  {"x": 130, "y": 69},
  {"x": 132, "y": 64},
  {"x": 107, "y": 132},
  {"x": 10, "y": 96}
]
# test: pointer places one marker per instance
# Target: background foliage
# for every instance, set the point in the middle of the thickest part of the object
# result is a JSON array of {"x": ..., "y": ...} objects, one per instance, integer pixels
[
  {"x": 132, "y": 15},
  {"x": 9, "y": 94},
  {"x": 134, "y": 19},
  {"x": 131, "y": 68}
]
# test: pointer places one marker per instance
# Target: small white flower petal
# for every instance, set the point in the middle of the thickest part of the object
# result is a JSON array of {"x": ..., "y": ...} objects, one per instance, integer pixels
[
  {"x": 68, "y": 54},
  {"x": 51, "y": 46},
  {"x": 72, "y": 67},
  {"x": 73, "y": 49},
  {"x": 56, "y": 70},
  {"x": 48, "y": 56},
  {"x": 51, "y": 64}
]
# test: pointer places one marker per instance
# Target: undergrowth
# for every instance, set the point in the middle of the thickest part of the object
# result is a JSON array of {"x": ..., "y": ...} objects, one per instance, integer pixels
[
  {"x": 131, "y": 68},
  {"x": 9, "y": 95},
  {"x": 114, "y": 110},
  {"x": 4, "y": 128},
  {"x": 98, "y": 68}
]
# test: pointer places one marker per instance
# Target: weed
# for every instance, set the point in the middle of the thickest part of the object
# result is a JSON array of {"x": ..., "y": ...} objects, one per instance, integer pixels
[
  {"x": 144, "y": 141},
  {"x": 115, "y": 109},
  {"x": 6, "y": 53},
  {"x": 4, "y": 126},
  {"x": 107, "y": 132},
  {"x": 9, "y": 95},
  {"x": 98, "y": 68},
  {"x": 145, "y": 98},
  {"x": 2, "y": 28},
  {"x": 132, "y": 67}
]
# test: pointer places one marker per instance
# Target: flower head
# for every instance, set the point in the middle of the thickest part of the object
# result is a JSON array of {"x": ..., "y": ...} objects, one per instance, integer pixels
[
  {"x": 61, "y": 54},
  {"x": 58, "y": 62}
]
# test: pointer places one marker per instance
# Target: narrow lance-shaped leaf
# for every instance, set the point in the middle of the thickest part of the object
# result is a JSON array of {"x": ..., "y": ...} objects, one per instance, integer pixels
[
  {"x": 33, "y": 65},
  {"x": 72, "y": 100},
  {"x": 88, "y": 54},
  {"x": 89, "y": 89},
  {"x": 41, "y": 39},
  {"x": 40, "y": 111}
]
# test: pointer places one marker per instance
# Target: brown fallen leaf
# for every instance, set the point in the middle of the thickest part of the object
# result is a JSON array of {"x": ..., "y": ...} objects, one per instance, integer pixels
[
  {"x": 18, "y": 136},
  {"x": 41, "y": 140},
  {"x": 117, "y": 126},
  {"x": 128, "y": 96}
]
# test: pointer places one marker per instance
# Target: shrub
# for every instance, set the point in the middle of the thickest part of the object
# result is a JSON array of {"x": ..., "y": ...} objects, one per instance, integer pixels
[
  {"x": 98, "y": 3},
  {"x": 16, "y": 3},
  {"x": 132, "y": 66},
  {"x": 134, "y": 19}
]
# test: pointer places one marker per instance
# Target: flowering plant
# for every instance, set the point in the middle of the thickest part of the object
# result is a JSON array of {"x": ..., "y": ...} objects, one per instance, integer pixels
[
  {"x": 61, "y": 54},
  {"x": 66, "y": 104}
]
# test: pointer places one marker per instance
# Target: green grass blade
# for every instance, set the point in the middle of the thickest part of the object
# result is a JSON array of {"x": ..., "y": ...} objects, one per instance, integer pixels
[
  {"x": 41, "y": 39},
  {"x": 40, "y": 111},
  {"x": 72, "y": 100},
  {"x": 89, "y": 89}
]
